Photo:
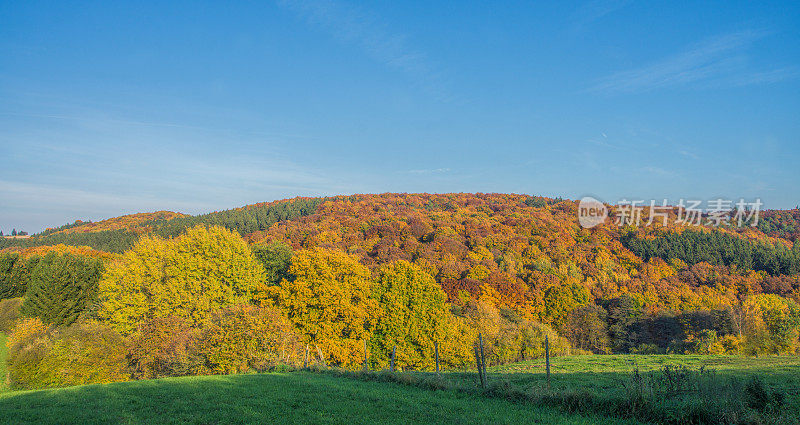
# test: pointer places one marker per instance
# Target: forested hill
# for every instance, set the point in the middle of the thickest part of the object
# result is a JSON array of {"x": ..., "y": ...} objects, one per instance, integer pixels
[
  {"x": 116, "y": 235},
  {"x": 525, "y": 256}
]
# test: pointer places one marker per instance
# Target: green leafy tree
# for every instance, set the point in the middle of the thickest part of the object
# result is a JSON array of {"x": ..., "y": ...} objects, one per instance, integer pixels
[
  {"x": 276, "y": 257},
  {"x": 587, "y": 328},
  {"x": 413, "y": 314},
  {"x": 560, "y": 300}
]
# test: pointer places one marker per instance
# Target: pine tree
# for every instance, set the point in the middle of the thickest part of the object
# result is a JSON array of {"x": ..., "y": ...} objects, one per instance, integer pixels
[
  {"x": 61, "y": 288},
  {"x": 7, "y": 287}
]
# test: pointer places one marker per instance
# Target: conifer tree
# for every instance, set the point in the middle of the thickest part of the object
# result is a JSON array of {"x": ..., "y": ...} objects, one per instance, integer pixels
[{"x": 61, "y": 288}]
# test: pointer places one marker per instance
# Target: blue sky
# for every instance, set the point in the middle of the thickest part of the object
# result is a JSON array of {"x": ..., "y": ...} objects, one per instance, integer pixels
[{"x": 109, "y": 108}]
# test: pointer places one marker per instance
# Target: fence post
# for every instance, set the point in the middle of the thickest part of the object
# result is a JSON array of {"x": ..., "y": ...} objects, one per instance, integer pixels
[
  {"x": 391, "y": 362},
  {"x": 365, "y": 355},
  {"x": 321, "y": 357},
  {"x": 436, "y": 351},
  {"x": 478, "y": 363},
  {"x": 547, "y": 357},
  {"x": 484, "y": 378}
]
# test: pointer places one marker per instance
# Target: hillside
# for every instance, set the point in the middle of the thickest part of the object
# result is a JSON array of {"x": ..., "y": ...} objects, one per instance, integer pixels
[
  {"x": 517, "y": 259},
  {"x": 119, "y": 234},
  {"x": 140, "y": 223}
]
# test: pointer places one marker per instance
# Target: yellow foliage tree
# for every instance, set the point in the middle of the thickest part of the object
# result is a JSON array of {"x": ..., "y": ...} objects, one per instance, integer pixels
[
  {"x": 189, "y": 277},
  {"x": 327, "y": 299}
]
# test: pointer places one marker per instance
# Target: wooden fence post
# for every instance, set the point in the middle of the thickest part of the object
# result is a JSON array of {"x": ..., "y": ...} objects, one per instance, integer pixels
[
  {"x": 365, "y": 355},
  {"x": 436, "y": 351},
  {"x": 547, "y": 357},
  {"x": 484, "y": 379},
  {"x": 478, "y": 364},
  {"x": 391, "y": 362},
  {"x": 321, "y": 357}
]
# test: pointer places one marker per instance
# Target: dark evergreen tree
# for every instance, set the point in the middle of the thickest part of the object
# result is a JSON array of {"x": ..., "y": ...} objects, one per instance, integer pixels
[
  {"x": 8, "y": 289},
  {"x": 61, "y": 288},
  {"x": 623, "y": 318}
]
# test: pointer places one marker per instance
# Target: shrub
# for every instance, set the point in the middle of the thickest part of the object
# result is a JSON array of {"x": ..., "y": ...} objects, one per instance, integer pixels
[
  {"x": 28, "y": 344},
  {"x": 246, "y": 337},
  {"x": 61, "y": 288},
  {"x": 190, "y": 277},
  {"x": 512, "y": 339},
  {"x": 163, "y": 346},
  {"x": 86, "y": 352},
  {"x": 9, "y": 313}
]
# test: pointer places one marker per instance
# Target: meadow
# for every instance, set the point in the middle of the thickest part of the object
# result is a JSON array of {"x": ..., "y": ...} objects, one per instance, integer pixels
[
  {"x": 660, "y": 389},
  {"x": 613, "y": 371},
  {"x": 592, "y": 389},
  {"x": 277, "y": 398}
]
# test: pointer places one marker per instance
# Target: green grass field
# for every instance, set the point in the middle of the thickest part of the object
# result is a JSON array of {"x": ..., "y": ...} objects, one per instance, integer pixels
[
  {"x": 636, "y": 386},
  {"x": 518, "y": 393},
  {"x": 279, "y": 398},
  {"x": 610, "y": 372}
]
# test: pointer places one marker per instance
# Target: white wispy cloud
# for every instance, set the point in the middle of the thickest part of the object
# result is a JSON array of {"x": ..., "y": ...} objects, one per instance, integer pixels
[
  {"x": 658, "y": 171},
  {"x": 717, "y": 60},
  {"x": 93, "y": 165},
  {"x": 594, "y": 10},
  {"x": 354, "y": 25},
  {"x": 767, "y": 77},
  {"x": 430, "y": 171}
]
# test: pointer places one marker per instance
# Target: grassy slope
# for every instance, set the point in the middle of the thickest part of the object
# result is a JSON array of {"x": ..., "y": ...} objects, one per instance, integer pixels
[
  {"x": 603, "y": 372},
  {"x": 605, "y": 385},
  {"x": 3, "y": 385},
  {"x": 608, "y": 376},
  {"x": 291, "y": 398}
]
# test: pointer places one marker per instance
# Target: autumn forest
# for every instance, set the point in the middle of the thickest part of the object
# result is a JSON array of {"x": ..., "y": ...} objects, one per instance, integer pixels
[{"x": 396, "y": 270}]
